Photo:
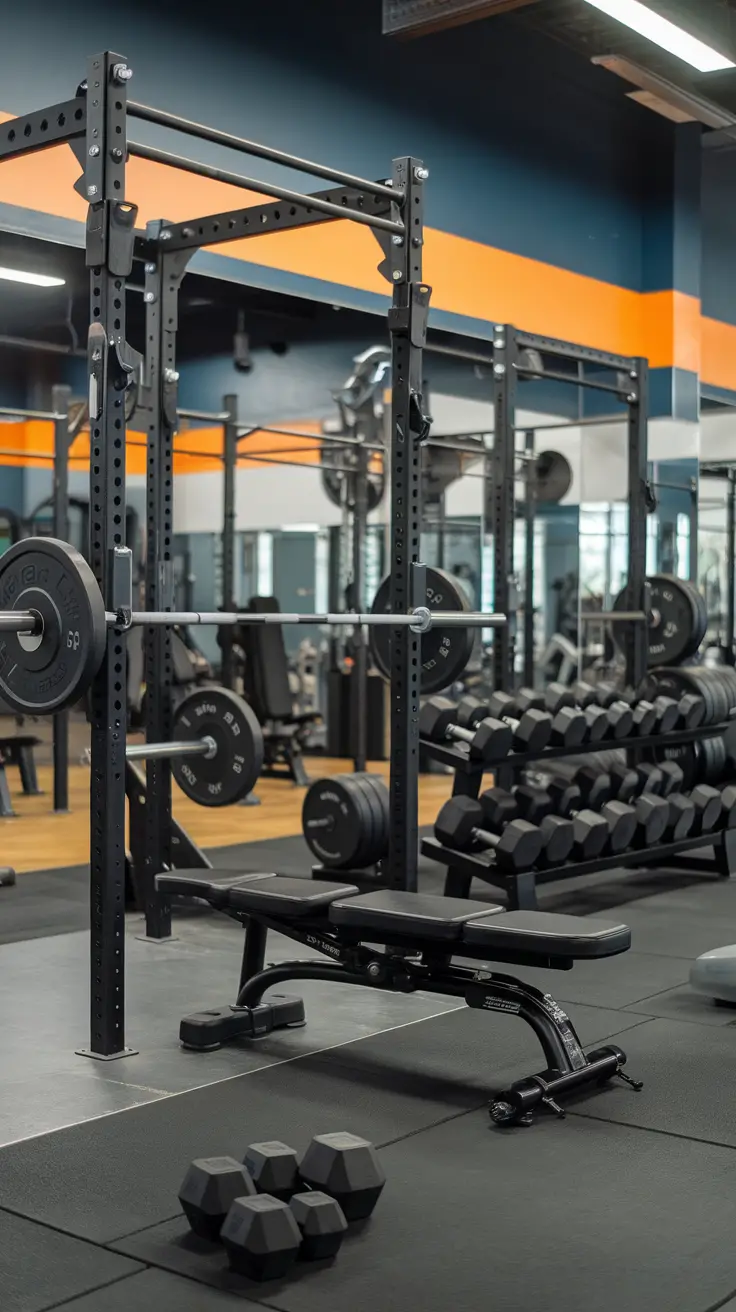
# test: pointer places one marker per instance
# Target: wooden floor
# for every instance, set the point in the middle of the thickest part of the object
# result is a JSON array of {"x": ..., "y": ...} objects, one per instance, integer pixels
[{"x": 39, "y": 840}]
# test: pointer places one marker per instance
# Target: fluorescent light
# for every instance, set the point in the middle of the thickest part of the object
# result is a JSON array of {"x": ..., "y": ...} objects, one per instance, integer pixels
[
  {"x": 300, "y": 528},
  {"x": 664, "y": 33},
  {"x": 33, "y": 279}
]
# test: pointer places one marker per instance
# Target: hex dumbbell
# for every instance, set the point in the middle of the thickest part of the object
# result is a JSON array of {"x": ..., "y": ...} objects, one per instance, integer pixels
[
  {"x": 532, "y": 728},
  {"x": 460, "y": 825},
  {"x": 488, "y": 741},
  {"x": 500, "y": 808},
  {"x": 708, "y": 805}
]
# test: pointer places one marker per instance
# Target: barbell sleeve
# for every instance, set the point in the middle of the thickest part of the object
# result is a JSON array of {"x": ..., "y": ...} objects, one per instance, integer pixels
[{"x": 165, "y": 751}]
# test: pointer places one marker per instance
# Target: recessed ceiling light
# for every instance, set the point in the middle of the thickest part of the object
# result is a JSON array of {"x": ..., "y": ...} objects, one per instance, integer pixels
[
  {"x": 664, "y": 33},
  {"x": 32, "y": 279}
]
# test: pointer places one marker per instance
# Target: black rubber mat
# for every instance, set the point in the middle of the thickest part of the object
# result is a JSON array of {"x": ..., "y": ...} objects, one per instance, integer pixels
[
  {"x": 563, "y": 1217},
  {"x": 106, "y": 1178},
  {"x": 40, "y": 1267},
  {"x": 157, "y": 1291},
  {"x": 43, "y": 903}
]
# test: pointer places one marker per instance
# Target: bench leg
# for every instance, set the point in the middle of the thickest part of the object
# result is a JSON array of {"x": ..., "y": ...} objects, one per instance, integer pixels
[
  {"x": 6, "y": 804},
  {"x": 568, "y": 1066},
  {"x": 254, "y": 951},
  {"x": 28, "y": 776}
]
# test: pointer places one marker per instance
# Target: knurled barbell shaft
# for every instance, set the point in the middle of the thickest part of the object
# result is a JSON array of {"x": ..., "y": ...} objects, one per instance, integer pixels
[{"x": 165, "y": 751}]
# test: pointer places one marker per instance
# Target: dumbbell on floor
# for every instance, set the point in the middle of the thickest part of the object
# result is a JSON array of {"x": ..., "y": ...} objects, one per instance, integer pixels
[
  {"x": 263, "y": 1236},
  {"x": 460, "y": 825},
  {"x": 488, "y": 740},
  {"x": 500, "y": 808}
]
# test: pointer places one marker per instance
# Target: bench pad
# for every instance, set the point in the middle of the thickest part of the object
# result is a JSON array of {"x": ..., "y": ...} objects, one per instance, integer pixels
[
  {"x": 546, "y": 934},
  {"x": 424, "y": 915}
]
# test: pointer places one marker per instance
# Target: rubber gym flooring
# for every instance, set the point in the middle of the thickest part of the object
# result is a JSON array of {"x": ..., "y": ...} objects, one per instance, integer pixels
[{"x": 626, "y": 1204}]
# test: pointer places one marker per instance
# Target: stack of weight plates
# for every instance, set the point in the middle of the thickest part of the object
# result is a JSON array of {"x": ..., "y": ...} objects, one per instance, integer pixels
[
  {"x": 345, "y": 820},
  {"x": 706, "y": 761}
]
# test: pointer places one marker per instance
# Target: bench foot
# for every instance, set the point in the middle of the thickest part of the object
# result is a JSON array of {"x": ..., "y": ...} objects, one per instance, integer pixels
[
  {"x": 517, "y": 1104},
  {"x": 204, "y": 1031}
]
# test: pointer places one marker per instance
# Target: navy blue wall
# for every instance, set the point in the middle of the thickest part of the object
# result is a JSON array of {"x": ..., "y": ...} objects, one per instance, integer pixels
[
  {"x": 718, "y": 280},
  {"x": 530, "y": 148}
]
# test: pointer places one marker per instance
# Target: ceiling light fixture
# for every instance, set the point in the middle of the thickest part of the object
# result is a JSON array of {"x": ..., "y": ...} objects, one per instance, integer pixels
[
  {"x": 31, "y": 279},
  {"x": 664, "y": 33}
]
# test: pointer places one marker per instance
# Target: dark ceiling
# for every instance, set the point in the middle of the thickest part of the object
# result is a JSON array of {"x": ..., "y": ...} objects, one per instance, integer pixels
[{"x": 592, "y": 32}]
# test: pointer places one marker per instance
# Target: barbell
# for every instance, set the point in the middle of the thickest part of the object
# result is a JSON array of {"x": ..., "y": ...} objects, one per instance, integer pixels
[
  {"x": 216, "y": 751},
  {"x": 54, "y": 625}
]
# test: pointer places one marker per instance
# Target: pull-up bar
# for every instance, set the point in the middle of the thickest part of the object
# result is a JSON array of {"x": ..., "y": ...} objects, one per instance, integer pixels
[
  {"x": 219, "y": 138},
  {"x": 262, "y": 188}
]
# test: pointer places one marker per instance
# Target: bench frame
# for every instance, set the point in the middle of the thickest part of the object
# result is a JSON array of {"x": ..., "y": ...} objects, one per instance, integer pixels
[{"x": 408, "y": 964}]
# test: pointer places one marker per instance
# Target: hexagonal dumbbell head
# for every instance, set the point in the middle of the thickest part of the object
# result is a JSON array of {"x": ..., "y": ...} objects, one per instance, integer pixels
[
  {"x": 470, "y": 712},
  {"x": 692, "y": 711},
  {"x": 652, "y": 818},
  {"x": 261, "y": 1237},
  {"x": 210, "y": 1186},
  {"x": 682, "y": 817},
  {"x": 620, "y": 719},
  {"x": 597, "y": 723},
  {"x": 436, "y": 717},
  {"x": 708, "y": 807},
  {"x": 273, "y": 1167},
  {"x": 557, "y": 695},
  {"x": 651, "y": 779},
  {"x": 728, "y": 805},
  {"x": 492, "y": 741},
  {"x": 534, "y": 731},
  {"x": 645, "y": 719},
  {"x": 558, "y": 837},
  {"x": 533, "y": 803},
  {"x": 621, "y": 821},
  {"x": 456, "y": 822},
  {"x": 568, "y": 727},
  {"x": 624, "y": 781},
  {"x": 672, "y": 777},
  {"x": 528, "y": 699},
  {"x": 519, "y": 846},
  {"x": 566, "y": 797},
  {"x": 322, "y": 1225},
  {"x": 591, "y": 835},
  {"x": 668, "y": 714},
  {"x": 595, "y": 786},
  {"x": 584, "y": 694},
  {"x": 499, "y": 808},
  {"x": 347, "y": 1168}
]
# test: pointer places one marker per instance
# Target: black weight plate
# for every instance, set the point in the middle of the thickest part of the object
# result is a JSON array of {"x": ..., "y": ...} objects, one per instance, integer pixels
[
  {"x": 332, "y": 822},
  {"x": 375, "y": 783},
  {"x": 723, "y": 697},
  {"x": 675, "y": 682},
  {"x": 445, "y": 652},
  {"x": 333, "y": 479},
  {"x": 372, "y": 851},
  {"x": 713, "y": 753},
  {"x": 552, "y": 476},
  {"x": 45, "y": 673},
  {"x": 701, "y": 609},
  {"x": 674, "y": 627},
  {"x": 353, "y": 783},
  {"x": 231, "y": 773}
]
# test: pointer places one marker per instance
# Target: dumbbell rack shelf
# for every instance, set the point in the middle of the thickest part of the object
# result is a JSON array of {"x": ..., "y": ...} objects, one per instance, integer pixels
[
  {"x": 469, "y": 772},
  {"x": 521, "y": 889}
]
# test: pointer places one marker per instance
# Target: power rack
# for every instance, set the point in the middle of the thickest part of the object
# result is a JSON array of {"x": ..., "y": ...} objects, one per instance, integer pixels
[{"x": 95, "y": 124}]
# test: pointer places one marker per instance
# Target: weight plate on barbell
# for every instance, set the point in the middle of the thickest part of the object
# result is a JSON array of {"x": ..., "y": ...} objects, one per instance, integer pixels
[
  {"x": 675, "y": 629},
  {"x": 43, "y": 673},
  {"x": 333, "y": 821},
  {"x": 445, "y": 652},
  {"x": 231, "y": 773},
  {"x": 336, "y": 484}
]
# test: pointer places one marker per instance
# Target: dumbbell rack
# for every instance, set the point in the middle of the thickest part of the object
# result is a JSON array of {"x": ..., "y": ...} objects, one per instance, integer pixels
[{"x": 520, "y": 888}]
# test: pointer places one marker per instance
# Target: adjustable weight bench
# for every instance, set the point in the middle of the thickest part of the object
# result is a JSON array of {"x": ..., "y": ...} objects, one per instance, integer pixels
[{"x": 402, "y": 942}]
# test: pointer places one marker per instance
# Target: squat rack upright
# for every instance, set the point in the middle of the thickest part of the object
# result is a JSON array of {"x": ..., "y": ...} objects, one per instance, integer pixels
[{"x": 94, "y": 123}]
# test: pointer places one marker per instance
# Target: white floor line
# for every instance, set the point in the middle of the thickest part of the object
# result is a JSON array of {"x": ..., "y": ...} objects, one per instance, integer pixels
[{"x": 285, "y": 1061}]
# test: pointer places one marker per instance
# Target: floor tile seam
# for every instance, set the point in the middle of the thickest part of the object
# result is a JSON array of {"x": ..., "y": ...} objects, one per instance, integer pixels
[
  {"x": 51, "y": 1307},
  {"x": 583, "y": 1114},
  {"x": 273, "y": 1065}
]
